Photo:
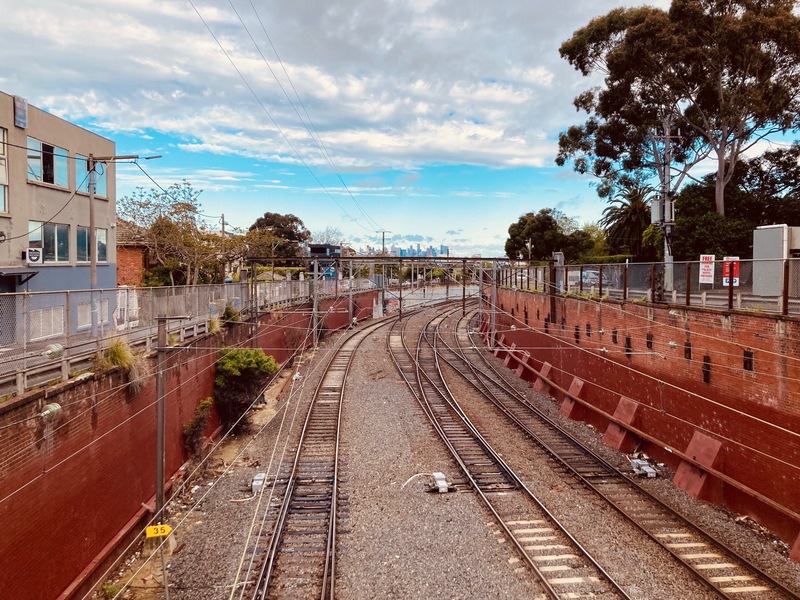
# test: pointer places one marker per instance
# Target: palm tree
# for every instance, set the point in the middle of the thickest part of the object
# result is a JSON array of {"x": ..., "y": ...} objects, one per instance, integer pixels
[{"x": 627, "y": 217}]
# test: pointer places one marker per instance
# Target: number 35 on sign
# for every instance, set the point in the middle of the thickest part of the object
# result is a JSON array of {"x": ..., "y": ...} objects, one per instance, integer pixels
[{"x": 158, "y": 531}]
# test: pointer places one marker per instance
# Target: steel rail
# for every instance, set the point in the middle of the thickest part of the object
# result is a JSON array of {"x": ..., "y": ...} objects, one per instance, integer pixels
[
  {"x": 316, "y": 469},
  {"x": 673, "y": 532},
  {"x": 553, "y": 585}
]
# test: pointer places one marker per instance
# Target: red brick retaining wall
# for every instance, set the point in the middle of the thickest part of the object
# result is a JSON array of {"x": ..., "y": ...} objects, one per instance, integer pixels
[
  {"x": 71, "y": 492},
  {"x": 720, "y": 386}
]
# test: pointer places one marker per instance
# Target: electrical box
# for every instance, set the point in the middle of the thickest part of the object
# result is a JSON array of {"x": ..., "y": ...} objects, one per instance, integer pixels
[{"x": 771, "y": 245}]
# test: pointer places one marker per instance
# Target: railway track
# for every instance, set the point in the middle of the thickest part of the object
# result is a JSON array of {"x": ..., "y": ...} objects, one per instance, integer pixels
[
  {"x": 300, "y": 559},
  {"x": 719, "y": 567},
  {"x": 563, "y": 567}
]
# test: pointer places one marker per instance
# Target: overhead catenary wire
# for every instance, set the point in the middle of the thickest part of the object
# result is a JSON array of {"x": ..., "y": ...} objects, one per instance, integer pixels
[
  {"x": 315, "y": 133},
  {"x": 576, "y": 348},
  {"x": 271, "y": 118}
]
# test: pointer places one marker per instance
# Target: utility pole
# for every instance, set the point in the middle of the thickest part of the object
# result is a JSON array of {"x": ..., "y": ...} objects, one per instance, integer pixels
[
  {"x": 224, "y": 263},
  {"x": 383, "y": 233},
  {"x": 161, "y": 349},
  {"x": 463, "y": 287},
  {"x": 91, "y": 165},
  {"x": 314, "y": 315},
  {"x": 161, "y": 342},
  {"x": 665, "y": 217}
]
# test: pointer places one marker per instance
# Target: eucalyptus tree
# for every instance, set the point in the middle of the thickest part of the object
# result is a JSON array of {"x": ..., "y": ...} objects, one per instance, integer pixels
[{"x": 708, "y": 78}]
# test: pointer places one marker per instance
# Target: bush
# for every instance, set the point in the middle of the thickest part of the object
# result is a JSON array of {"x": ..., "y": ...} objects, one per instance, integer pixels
[
  {"x": 119, "y": 354},
  {"x": 241, "y": 374},
  {"x": 230, "y": 314},
  {"x": 193, "y": 431}
]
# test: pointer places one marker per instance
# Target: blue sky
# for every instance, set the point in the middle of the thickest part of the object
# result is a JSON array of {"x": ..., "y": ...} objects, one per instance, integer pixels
[{"x": 436, "y": 120}]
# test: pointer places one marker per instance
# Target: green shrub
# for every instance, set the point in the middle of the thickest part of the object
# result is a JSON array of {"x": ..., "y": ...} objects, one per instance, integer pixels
[
  {"x": 241, "y": 374},
  {"x": 193, "y": 431},
  {"x": 214, "y": 325},
  {"x": 109, "y": 590},
  {"x": 118, "y": 353}
]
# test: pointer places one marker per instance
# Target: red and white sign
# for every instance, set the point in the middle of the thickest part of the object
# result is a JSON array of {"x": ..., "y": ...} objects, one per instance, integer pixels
[
  {"x": 726, "y": 270},
  {"x": 707, "y": 268}
]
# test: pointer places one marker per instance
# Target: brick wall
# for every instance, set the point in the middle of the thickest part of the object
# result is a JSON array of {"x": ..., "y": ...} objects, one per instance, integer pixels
[
  {"x": 131, "y": 264},
  {"x": 72, "y": 489},
  {"x": 730, "y": 376}
]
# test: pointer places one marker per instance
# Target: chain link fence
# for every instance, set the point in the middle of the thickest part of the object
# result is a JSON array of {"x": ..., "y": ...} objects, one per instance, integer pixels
[
  {"x": 85, "y": 321},
  {"x": 769, "y": 286}
]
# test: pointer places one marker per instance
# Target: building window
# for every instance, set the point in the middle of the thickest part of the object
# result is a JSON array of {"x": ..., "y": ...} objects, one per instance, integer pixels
[
  {"x": 82, "y": 176},
  {"x": 52, "y": 238},
  {"x": 85, "y": 313},
  {"x": 47, "y": 163},
  {"x": 3, "y": 172},
  {"x": 83, "y": 244},
  {"x": 46, "y": 322}
]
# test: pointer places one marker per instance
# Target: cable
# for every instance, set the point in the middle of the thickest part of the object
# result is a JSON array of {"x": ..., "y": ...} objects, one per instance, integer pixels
[
  {"x": 661, "y": 381},
  {"x": 277, "y": 127},
  {"x": 315, "y": 134}
]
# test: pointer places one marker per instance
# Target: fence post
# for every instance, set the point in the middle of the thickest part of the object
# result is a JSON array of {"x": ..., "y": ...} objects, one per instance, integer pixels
[
  {"x": 785, "y": 293},
  {"x": 688, "y": 284},
  {"x": 730, "y": 285},
  {"x": 625, "y": 282}
]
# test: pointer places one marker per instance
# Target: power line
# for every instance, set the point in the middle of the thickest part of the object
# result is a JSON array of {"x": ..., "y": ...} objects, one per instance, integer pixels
[
  {"x": 317, "y": 138},
  {"x": 266, "y": 111}
]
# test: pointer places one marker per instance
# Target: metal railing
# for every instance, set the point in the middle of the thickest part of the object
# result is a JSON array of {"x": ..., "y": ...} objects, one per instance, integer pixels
[
  {"x": 770, "y": 285},
  {"x": 84, "y": 321}
]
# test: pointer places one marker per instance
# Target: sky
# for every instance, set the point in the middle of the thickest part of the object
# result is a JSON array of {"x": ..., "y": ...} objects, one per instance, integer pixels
[{"x": 431, "y": 122}]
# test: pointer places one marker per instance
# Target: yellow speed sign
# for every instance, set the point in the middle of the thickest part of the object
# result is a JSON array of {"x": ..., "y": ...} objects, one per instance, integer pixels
[{"x": 158, "y": 531}]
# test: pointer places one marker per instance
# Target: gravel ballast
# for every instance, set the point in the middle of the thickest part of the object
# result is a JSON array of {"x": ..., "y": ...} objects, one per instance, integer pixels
[{"x": 403, "y": 542}]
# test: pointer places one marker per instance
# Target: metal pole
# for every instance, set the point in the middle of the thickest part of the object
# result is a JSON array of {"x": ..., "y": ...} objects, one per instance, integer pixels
[
  {"x": 785, "y": 294},
  {"x": 494, "y": 303},
  {"x": 315, "y": 300},
  {"x": 688, "y": 283},
  {"x": 254, "y": 300},
  {"x": 92, "y": 248},
  {"x": 400, "y": 281},
  {"x": 352, "y": 281},
  {"x": 463, "y": 287},
  {"x": 161, "y": 342},
  {"x": 480, "y": 293},
  {"x": 730, "y": 285}
]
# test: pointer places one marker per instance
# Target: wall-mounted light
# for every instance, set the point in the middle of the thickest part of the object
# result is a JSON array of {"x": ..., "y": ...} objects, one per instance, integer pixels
[
  {"x": 673, "y": 313},
  {"x": 2, "y": 236},
  {"x": 673, "y": 345}
]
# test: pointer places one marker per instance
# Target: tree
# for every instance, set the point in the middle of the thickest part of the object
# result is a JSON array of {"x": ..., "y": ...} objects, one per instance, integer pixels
[
  {"x": 626, "y": 219},
  {"x": 772, "y": 183},
  {"x": 173, "y": 231},
  {"x": 288, "y": 229},
  {"x": 535, "y": 236},
  {"x": 329, "y": 235},
  {"x": 710, "y": 77},
  {"x": 241, "y": 375},
  {"x": 701, "y": 230}
]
